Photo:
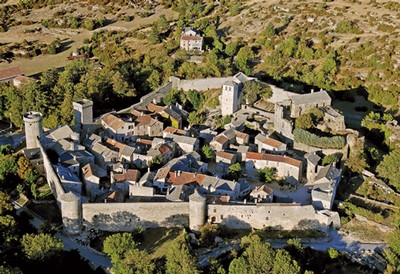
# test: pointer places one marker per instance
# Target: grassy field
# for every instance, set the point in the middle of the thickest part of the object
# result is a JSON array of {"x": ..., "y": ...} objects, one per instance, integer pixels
[{"x": 364, "y": 232}]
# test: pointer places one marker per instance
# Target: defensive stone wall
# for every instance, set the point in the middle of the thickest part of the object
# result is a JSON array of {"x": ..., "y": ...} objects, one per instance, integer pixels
[
  {"x": 51, "y": 176},
  {"x": 127, "y": 216},
  {"x": 277, "y": 216},
  {"x": 326, "y": 151},
  {"x": 199, "y": 84}
]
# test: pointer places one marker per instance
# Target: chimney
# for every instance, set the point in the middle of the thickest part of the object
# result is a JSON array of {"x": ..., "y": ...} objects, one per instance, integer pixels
[
  {"x": 312, "y": 90},
  {"x": 179, "y": 172},
  {"x": 176, "y": 173},
  {"x": 148, "y": 169}
]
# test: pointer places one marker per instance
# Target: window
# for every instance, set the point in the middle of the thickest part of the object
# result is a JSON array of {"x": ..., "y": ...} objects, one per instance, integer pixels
[
  {"x": 222, "y": 217},
  {"x": 267, "y": 218},
  {"x": 215, "y": 210}
]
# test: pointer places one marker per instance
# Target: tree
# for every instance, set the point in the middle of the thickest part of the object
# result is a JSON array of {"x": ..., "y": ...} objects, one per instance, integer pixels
[
  {"x": 330, "y": 158},
  {"x": 41, "y": 247},
  {"x": 117, "y": 245},
  {"x": 208, "y": 152},
  {"x": 5, "y": 204},
  {"x": 304, "y": 121},
  {"x": 179, "y": 258},
  {"x": 267, "y": 174},
  {"x": 259, "y": 255},
  {"x": 235, "y": 170},
  {"x": 8, "y": 166},
  {"x": 243, "y": 58},
  {"x": 269, "y": 30},
  {"x": 23, "y": 166},
  {"x": 195, "y": 118},
  {"x": 196, "y": 99},
  {"x": 154, "y": 79},
  {"x": 238, "y": 266},
  {"x": 388, "y": 168},
  {"x": 135, "y": 261},
  {"x": 208, "y": 232},
  {"x": 284, "y": 264},
  {"x": 333, "y": 253},
  {"x": 393, "y": 240}
]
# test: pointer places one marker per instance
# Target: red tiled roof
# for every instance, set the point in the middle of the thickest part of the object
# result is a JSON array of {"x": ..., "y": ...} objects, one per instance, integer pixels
[
  {"x": 184, "y": 178},
  {"x": 225, "y": 155},
  {"x": 241, "y": 134},
  {"x": 164, "y": 149},
  {"x": 144, "y": 141},
  {"x": 173, "y": 130},
  {"x": 191, "y": 38},
  {"x": 130, "y": 175},
  {"x": 273, "y": 158},
  {"x": 272, "y": 142},
  {"x": 145, "y": 120},
  {"x": 115, "y": 144},
  {"x": 9, "y": 73},
  {"x": 263, "y": 188},
  {"x": 221, "y": 139},
  {"x": 155, "y": 108},
  {"x": 113, "y": 121}
]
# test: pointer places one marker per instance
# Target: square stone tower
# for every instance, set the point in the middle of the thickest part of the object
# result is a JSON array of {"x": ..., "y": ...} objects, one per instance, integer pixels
[
  {"x": 83, "y": 112},
  {"x": 230, "y": 98}
]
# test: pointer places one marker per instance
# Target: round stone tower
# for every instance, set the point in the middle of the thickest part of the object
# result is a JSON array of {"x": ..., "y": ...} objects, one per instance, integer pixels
[
  {"x": 197, "y": 211},
  {"x": 33, "y": 128},
  {"x": 71, "y": 211}
]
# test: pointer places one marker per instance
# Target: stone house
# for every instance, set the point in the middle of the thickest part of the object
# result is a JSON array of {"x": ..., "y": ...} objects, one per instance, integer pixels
[
  {"x": 303, "y": 103},
  {"x": 121, "y": 181},
  {"x": 172, "y": 130},
  {"x": 191, "y": 40},
  {"x": 166, "y": 151},
  {"x": 262, "y": 194},
  {"x": 225, "y": 157},
  {"x": 332, "y": 120},
  {"x": 219, "y": 143},
  {"x": 104, "y": 156},
  {"x": 228, "y": 137},
  {"x": 288, "y": 168},
  {"x": 270, "y": 145},
  {"x": 130, "y": 129},
  {"x": 326, "y": 183},
  {"x": 186, "y": 144},
  {"x": 312, "y": 166},
  {"x": 230, "y": 98},
  {"x": 94, "y": 180}
]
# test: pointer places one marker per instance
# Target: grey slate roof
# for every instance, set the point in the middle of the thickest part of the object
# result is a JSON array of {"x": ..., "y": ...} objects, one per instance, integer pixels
[
  {"x": 61, "y": 133},
  {"x": 301, "y": 99},
  {"x": 230, "y": 83},
  {"x": 313, "y": 158}
]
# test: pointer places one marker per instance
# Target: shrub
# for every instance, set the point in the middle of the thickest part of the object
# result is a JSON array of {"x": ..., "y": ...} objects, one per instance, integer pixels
[{"x": 311, "y": 139}]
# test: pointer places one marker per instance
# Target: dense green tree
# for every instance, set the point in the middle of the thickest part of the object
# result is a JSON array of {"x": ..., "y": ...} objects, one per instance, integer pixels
[
  {"x": 8, "y": 166},
  {"x": 269, "y": 30},
  {"x": 330, "y": 158},
  {"x": 259, "y": 255},
  {"x": 238, "y": 266},
  {"x": 304, "y": 121},
  {"x": 117, "y": 245},
  {"x": 235, "y": 170},
  {"x": 154, "y": 79},
  {"x": 40, "y": 247},
  {"x": 333, "y": 253},
  {"x": 179, "y": 258},
  {"x": 135, "y": 261},
  {"x": 195, "y": 118},
  {"x": 23, "y": 167},
  {"x": 208, "y": 232},
  {"x": 196, "y": 99},
  {"x": 388, "y": 168},
  {"x": 267, "y": 174},
  {"x": 208, "y": 152},
  {"x": 243, "y": 58},
  {"x": 284, "y": 264}
]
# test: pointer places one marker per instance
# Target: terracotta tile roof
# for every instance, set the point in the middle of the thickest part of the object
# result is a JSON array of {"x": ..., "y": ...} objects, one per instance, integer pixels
[
  {"x": 164, "y": 149},
  {"x": 240, "y": 134},
  {"x": 185, "y": 178},
  {"x": 272, "y": 142},
  {"x": 112, "y": 121},
  {"x": 87, "y": 171},
  {"x": 129, "y": 175},
  {"x": 225, "y": 155},
  {"x": 144, "y": 141},
  {"x": 273, "y": 158},
  {"x": 191, "y": 38},
  {"x": 155, "y": 108},
  {"x": 145, "y": 120},
  {"x": 262, "y": 188},
  {"x": 9, "y": 73},
  {"x": 221, "y": 139},
  {"x": 116, "y": 196},
  {"x": 115, "y": 144},
  {"x": 173, "y": 130}
]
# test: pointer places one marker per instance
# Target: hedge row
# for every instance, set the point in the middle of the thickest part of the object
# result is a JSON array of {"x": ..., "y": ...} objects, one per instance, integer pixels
[{"x": 311, "y": 139}]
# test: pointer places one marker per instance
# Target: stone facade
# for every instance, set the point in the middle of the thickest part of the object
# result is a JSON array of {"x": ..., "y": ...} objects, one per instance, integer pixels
[
  {"x": 230, "y": 101},
  {"x": 83, "y": 112}
]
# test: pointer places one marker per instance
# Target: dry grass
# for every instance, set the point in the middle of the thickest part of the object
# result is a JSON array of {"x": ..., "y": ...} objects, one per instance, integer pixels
[{"x": 365, "y": 232}]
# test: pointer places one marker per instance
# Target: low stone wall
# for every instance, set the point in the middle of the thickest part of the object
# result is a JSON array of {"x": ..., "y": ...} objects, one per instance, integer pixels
[{"x": 127, "y": 216}]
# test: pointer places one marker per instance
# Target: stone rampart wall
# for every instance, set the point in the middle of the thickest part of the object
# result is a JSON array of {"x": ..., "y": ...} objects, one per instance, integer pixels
[
  {"x": 51, "y": 176},
  {"x": 127, "y": 216},
  {"x": 200, "y": 84},
  {"x": 278, "y": 216}
]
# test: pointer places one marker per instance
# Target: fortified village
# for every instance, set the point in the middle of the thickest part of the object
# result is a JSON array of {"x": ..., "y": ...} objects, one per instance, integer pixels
[{"x": 103, "y": 176}]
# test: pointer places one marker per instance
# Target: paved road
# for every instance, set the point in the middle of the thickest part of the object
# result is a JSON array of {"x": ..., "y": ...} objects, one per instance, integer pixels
[{"x": 95, "y": 257}]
